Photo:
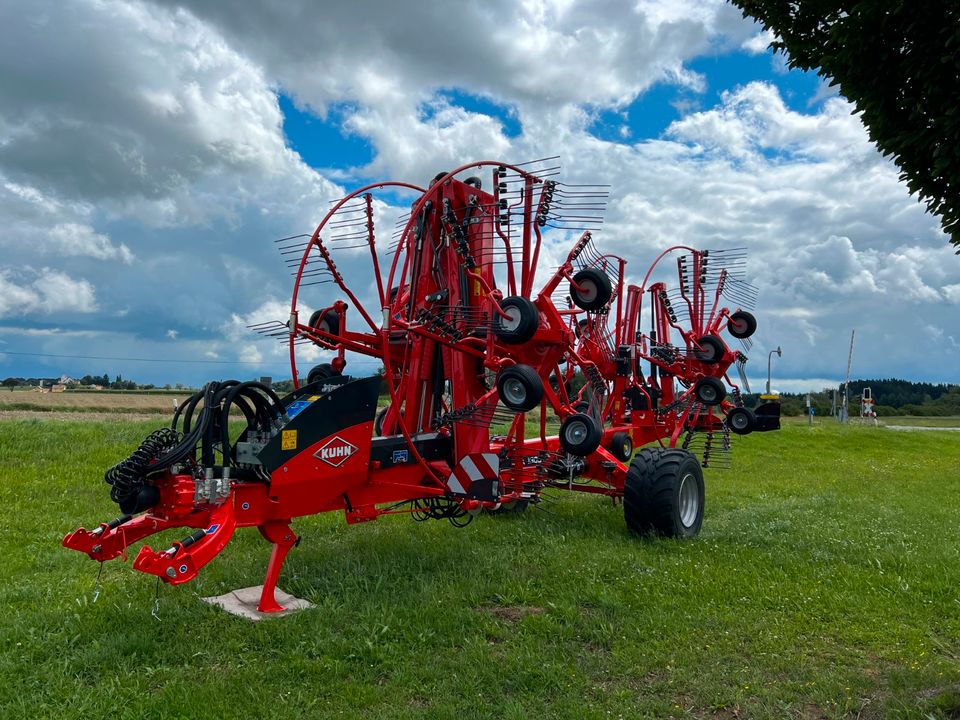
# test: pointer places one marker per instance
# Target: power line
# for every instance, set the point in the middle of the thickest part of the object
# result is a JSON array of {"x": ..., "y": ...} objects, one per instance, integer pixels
[
  {"x": 131, "y": 359},
  {"x": 361, "y": 361}
]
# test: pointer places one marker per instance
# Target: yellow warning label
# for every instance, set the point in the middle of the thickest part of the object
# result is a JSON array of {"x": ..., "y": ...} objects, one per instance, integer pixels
[
  {"x": 288, "y": 440},
  {"x": 476, "y": 288},
  {"x": 312, "y": 398}
]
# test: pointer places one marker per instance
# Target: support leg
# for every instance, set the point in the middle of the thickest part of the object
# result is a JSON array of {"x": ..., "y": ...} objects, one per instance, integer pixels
[{"x": 283, "y": 538}]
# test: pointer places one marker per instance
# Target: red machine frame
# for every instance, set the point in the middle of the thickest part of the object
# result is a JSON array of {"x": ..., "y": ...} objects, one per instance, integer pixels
[{"x": 470, "y": 344}]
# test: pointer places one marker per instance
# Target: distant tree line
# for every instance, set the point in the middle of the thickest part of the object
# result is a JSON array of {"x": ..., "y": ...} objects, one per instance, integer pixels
[
  {"x": 86, "y": 382},
  {"x": 890, "y": 396}
]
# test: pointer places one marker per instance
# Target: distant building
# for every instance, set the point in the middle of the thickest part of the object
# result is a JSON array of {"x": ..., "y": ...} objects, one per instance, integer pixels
[{"x": 58, "y": 387}]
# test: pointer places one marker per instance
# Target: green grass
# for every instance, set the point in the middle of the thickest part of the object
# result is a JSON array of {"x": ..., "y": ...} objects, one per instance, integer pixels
[{"x": 824, "y": 584}]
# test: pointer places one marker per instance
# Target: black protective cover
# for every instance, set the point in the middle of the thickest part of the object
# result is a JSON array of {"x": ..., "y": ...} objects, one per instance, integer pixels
[
  {"x": 349, "y": 404},
  {"x": 768, "y": 417},
  {"x": 393, "y": 449}
]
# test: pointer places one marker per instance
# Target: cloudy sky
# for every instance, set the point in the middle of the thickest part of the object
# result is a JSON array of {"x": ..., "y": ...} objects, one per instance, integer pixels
[{"x": 150, "y": 152}]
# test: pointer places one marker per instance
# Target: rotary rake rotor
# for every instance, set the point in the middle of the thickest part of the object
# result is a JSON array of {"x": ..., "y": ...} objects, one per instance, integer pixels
[{"x": 516, "y": 357}]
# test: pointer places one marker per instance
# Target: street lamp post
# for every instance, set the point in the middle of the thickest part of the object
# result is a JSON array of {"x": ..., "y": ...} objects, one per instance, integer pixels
[{"x": 779, "y": 353}]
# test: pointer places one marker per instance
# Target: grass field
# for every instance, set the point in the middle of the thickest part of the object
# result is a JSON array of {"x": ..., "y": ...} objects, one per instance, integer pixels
[{"x": 825, "y": 583}]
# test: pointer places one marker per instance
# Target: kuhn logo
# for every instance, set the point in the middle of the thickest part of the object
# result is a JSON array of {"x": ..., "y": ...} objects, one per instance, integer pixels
[{"x": 336, "y": 452}]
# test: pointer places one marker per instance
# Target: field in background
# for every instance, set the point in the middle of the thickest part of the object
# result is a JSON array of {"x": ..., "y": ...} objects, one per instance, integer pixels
[
  {"x": 105, "y": 401},
  {"x": 824, "y": 584},
  {"x": 162, "y": 402}
]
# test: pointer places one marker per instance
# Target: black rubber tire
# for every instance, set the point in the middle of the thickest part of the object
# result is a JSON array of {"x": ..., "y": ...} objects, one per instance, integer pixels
[
  {"x": 526, "y": 320},
  {"x": 520, "y": 388},
  {"x": 580, "y": 434},
  {"x": 555, "y": 383},
  {"x": 712, "y": 349},
  {"x": 621, "y": 446},
  {"x": 709, "y": 391},
  {"x": 378, "y": 421},
  {"x": 582, "y": 406},
  {"x": 511, "y": 508},
  {"x": 474, "y": 181},
  {"x": 323, "y": 371},
  {"x": 330, "y": 322},
  {"x": 741, "y": 421},
  {"x": 602, "y": 289},
  {"x": 656, "y": 498},
  {"x": 742, "y": 324}
]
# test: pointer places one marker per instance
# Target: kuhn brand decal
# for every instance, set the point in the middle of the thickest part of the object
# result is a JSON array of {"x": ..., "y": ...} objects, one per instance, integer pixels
[{"x": 336, "y": 452}]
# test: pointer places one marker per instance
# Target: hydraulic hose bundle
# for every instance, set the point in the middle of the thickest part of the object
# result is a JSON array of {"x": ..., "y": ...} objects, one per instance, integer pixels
[
  {"x": 163, "y": 448},
  {"x": 127, "y": 479}
]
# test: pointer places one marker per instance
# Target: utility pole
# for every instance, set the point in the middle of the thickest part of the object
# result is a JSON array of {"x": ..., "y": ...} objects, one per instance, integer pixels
[{"x": 844, "y": 397}]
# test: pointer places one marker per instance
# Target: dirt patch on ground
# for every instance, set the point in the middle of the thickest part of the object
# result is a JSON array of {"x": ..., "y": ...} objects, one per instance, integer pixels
[{"x": 511, "y": 613}]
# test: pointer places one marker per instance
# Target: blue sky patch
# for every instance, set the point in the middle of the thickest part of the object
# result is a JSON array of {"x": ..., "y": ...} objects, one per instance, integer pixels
[
  {"x": 651, "y": 114},
  {"x": 323, "y": 143}
]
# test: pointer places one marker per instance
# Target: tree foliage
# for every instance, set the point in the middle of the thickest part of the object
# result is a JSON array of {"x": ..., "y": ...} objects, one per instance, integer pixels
[{"x": 898, "y": 62}]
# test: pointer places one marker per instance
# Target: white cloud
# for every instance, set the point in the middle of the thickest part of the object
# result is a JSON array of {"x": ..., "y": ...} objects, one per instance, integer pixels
[
  {"x": 754, "y": 118},
  {"x": 538, "y": 52},
  {"x": 48, "y": 291},
  {"x": 70, "y": 239},
  {"x": 759, "y": 43},
  {"x": 158, "y": 163},
  {"x": 542, "y": 60},
  {"x": 251, "y": 354},
  {"x": 453, "y": 135},
  {"x": 47, "y": 332},
  {"x": 951, "y": 293},
  {"x": 165, "y": 118}
]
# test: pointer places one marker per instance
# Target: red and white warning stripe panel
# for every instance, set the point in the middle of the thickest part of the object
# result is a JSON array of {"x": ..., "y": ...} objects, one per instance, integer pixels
[{"x": 473, "y": 467}]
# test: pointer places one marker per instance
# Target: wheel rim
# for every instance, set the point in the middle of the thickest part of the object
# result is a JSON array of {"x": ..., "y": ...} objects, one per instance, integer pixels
[
  {"x": 576, "y": 432},
  {"x": 707, "y": 393},
  {"x": 689, "y": 500},
  {"x": 513, "y": 322},
  {"x": 740, "y": 421},
  {"x": 738, "y": 326},
  {"x": 514, "y": 392},
  {"x": 587, "y": 290}
]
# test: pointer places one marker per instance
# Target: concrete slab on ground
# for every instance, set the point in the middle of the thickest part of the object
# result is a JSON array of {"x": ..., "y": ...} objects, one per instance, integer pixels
[{"x": 243, "y": 603}]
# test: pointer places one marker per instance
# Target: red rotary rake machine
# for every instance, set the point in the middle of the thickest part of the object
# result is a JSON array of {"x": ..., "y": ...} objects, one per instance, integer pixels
[{"x": 495, "y": 318}]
